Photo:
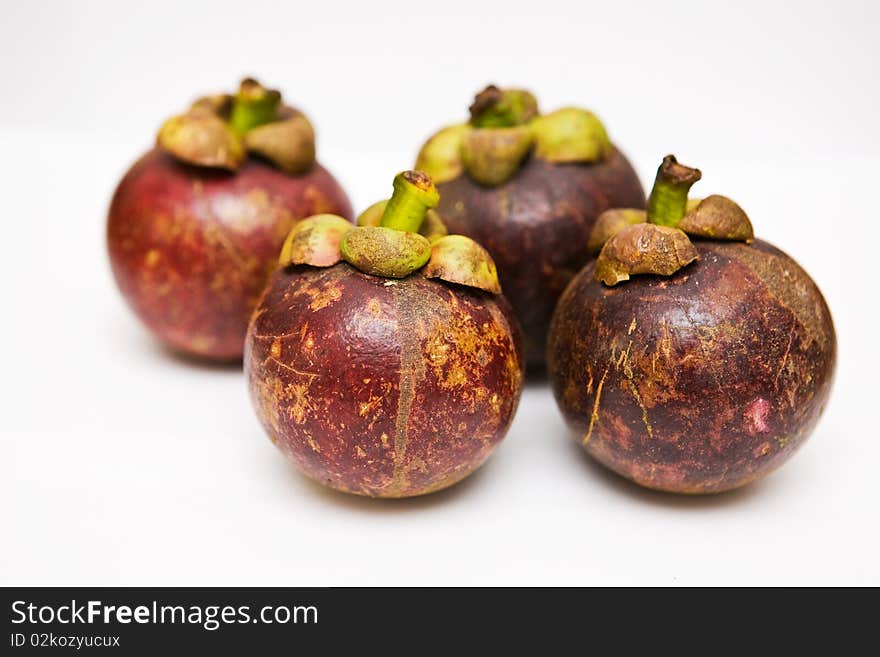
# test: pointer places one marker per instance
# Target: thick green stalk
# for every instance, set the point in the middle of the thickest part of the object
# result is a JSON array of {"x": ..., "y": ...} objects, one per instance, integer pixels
[
  {"x": 414, "y": 194},
  {"x": 667, "y": 203},
  {"x": 253, "y": 106},
  {"x": 502, "y": 108}
]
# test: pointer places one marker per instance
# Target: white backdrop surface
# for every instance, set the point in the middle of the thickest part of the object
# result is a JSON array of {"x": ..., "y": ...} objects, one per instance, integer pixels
[{"x": 122, "y": 464}]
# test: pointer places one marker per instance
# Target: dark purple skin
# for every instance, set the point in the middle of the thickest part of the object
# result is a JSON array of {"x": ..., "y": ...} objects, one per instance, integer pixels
[
  {"x": 382, "y": 387},
  {"x": 191, "y": 247},
  {"x": 536, "y": 226},
  {"x": 699, "y": 382}
]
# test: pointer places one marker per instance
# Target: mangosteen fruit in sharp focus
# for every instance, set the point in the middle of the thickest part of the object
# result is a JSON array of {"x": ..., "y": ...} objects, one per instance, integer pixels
[
  {"x": 196, "y": 224},
  {"x": 381, "y": 358},
  {"x": 690, "y": 357},
  {"x": 528, "y": 187}
]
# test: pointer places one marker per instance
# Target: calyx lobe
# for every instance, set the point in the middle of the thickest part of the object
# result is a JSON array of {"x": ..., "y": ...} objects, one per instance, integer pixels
[
  {"x": 394, "y": 238},
  {"x": 656, "y": 241},
  {"x": 219, "y": 130},
  {"x": 644, "y": 249},
  {"x": 719, "y": 218},
  {"x": 504, "y": 130}
]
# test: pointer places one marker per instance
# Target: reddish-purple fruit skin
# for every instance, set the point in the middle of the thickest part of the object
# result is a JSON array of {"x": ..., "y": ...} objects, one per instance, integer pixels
[
  {"x": 536, "y": 227},
  {"x": 700, "y": 382},
  {"x": 191, "y": 248},
  {"x": 382, "y": 387}
]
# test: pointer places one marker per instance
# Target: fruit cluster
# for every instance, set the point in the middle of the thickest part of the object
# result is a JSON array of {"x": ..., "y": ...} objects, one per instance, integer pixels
[{"x": 382, "y": 354}]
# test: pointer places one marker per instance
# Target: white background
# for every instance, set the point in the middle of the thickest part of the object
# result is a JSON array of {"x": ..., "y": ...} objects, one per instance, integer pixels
[{"x": 121, "y": 464}]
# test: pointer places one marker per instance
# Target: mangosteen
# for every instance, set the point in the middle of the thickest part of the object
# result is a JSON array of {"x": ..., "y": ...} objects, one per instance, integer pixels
[
  {"x": 690, "y": 357},
  {"x": 195, "y": 225},
  {"x": 382, "y": 358},
  {"x": 528, "y": 187}
]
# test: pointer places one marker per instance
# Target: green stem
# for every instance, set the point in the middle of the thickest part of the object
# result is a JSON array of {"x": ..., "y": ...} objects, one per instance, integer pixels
[
  {"x": 502, "y": 108},
  {"x": 253, "y": 106},
  {"x": 667, "y": 203},
  {"x": 414, "y": 194}
]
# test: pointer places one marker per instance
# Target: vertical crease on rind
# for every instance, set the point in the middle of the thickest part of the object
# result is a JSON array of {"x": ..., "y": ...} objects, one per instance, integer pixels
[{"x": 412, "y": 370}]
